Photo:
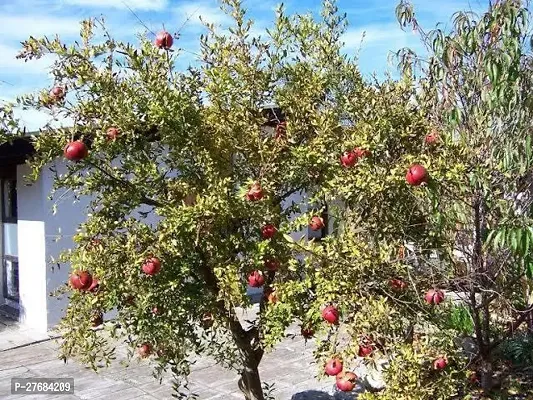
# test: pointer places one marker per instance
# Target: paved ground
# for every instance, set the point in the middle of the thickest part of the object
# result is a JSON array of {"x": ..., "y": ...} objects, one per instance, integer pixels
[
  {"x": 13, "y": 336},
  {"x": 290, "y": 366}
]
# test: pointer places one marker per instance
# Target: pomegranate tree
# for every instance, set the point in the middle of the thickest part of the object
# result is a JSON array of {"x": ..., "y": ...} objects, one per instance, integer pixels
[{"x": 200, "y": 190}]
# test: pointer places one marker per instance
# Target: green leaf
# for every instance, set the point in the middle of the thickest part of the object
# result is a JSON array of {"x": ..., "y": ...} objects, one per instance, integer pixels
[
  {"x": 288, "y": 238},
  {"x": 526, "y": 242},
  {"x": 528, "y": 149},
  {"x": 495, "y": 72},
  {"x": 490, "y": 237},
  {"x": 529, "y": 269}
]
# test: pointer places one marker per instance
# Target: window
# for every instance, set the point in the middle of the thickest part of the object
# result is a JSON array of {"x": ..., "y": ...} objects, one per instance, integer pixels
[
  {"x": 8, "y": 225},
  {"x": 9, "y": 200},
  {"x": 11, "y": 278}
]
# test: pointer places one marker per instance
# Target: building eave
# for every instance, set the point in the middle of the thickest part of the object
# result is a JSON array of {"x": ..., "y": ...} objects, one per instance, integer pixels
[{"x": 16, "y": 152}]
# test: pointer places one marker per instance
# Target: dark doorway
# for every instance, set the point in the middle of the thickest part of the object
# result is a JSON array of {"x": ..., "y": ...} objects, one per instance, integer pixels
[{"x": 9, "y": 242}]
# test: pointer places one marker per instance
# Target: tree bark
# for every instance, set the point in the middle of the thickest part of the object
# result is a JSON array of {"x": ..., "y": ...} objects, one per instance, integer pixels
[
  {"x": 481, "y": 322},
  {"x": 250, "y": 383},
  {"x": 246, "y": 340},
  {"x": 486, "y": 375}
]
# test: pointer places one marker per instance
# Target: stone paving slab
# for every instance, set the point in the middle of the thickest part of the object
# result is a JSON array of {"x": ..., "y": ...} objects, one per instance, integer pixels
[
  {"x": 293, "y": 375},
  {"x": 289, "y": 366},
  {"x": 295, "y": 380},
  {"x": 14, "y": 335}
]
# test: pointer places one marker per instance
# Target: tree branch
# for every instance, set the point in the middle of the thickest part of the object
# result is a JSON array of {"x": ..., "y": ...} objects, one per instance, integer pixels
[{"x": 143, "y": 198}]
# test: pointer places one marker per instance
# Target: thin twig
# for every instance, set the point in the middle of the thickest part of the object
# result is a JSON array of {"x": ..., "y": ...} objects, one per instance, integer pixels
[{"x": 138, "y": 19}]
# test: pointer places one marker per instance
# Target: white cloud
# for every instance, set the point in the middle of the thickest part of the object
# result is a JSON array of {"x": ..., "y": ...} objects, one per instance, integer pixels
[
  {"x": 15, "y": 28},
  {"x": 33, "y": 120},
  {"x": 20, "y": 27},
  {"x": 190, "y": 13},
  {"x": 375, "y": 47},
  {"x": 373, "y": 34},
  {"x": 10, "y": 64},
  {"x": 144, "y": 5}
]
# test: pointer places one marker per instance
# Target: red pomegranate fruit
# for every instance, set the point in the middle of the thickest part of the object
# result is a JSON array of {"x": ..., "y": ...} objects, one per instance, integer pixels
[
  {"x": 268, "y": 231},
  {"x": 255, "y": 192},
  {"x": 163, "y": 40},
  {"x": 333, "y": 367},
  {"x": 144, "y": 350},
  {"x": 330, "y": 314},
  {"x": 365, "y": 351},
  {"x": 95, "y": 285},
  {"x": 434, "y": 296},
  {"x": 346, "y": 381},
  {"x": 348, "y": 159},
  {"x": 440, "y": 363},
  {"x": 431, "y": 138},
  {"x": 256, "y": 279},
  {"x": 398, "y": 284},
  {"x": 112, "y": 133},
  {"x": 81, "y": 280},
  {"x": 75, "y": 151},
  {"x": 416, "y": 175},
  {"x": 57, "y": 93},
  {"x": 151, "y": 266},
  {"x": 316, "y": 223}
]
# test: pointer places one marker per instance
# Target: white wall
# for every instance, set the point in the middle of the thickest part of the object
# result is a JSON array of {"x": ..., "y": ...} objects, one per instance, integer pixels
[
  {"x": 31, "y": 252},
  {"x": 59, "y": 231}
]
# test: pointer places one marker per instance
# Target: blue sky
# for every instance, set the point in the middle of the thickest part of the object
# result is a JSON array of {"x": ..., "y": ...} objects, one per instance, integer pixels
[{"x": 21, "y": 18}]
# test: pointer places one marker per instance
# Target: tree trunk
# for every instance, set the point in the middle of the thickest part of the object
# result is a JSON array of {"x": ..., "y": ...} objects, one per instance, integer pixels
[
  {"x": 486, "y": 375},
  {"x": 482, "y": 322},
  {"x": 250, "y": 384}
]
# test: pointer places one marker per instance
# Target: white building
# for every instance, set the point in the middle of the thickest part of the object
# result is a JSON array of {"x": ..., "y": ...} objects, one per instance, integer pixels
[{"x": 31, "y": 236}]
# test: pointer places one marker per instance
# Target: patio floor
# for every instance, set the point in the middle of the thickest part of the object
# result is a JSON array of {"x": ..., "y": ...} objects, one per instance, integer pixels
[{"x": 290, "y": 367}]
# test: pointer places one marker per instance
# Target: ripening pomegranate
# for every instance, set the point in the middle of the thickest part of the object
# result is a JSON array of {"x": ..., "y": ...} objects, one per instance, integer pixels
[
  {"x": 333, "y": 367},
  {"x": 330, "y": 314},
  {"x": 151, "y": 266},
  {"x": 75, "y": 151},
  {"x": 434, "y": 296},
  {"x": 144, "y": 350},
  {"x": 316, "y": 223},
  {"x": 163, "y": 40},
  {"x": 416, "y": 175},
  {"x": 81, "y": 280},
  {"x": 268, "y": 231}
]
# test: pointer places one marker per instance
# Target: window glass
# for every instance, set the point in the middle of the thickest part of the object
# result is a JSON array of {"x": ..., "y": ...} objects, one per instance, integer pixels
[
  {"x": 11, "y": 278},
  {"x": 9, "y": 200}
]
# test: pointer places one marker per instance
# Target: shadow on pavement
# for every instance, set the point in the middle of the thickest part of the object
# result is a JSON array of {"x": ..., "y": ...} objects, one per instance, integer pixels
[
  {"x": 8, "y": 317},
  {"x": 312, "y": 395},
  {"x": 318, "y": 395}
]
